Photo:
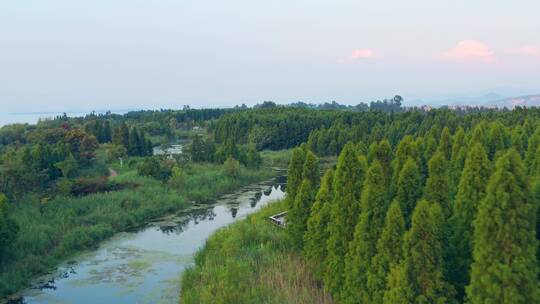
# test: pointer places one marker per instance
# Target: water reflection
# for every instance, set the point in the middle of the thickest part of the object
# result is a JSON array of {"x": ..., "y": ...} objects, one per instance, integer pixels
[{"x": 145, "y": 266}]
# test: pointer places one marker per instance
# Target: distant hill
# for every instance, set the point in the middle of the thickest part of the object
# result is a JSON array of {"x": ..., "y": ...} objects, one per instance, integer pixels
[{"x": 511, "y": 102}]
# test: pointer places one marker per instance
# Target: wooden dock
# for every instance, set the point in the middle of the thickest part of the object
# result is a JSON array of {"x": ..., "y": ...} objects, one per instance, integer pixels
[{"x": 279, "y": 219}]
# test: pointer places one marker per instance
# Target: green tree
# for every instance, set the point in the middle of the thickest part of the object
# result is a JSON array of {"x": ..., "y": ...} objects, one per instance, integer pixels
[
  {"x": 532, "y": 147},
  {"x": 134, "y": 142},
  {"x": 67, "y": 166},
  {"x": 368, "y": 230},
  {"x": 177, "y": 179},
  {"x": 389, "y": 253},
  {"x": 519, "y": 140},
  {"x": 405, "y": 149},
  {"x": 383, "y": 154},
  {"x": 459, "y": 154},
  {"x": 253, "y": 158},
  {"x": 231, "y": 167},
  {"x": 316, "y": 235},
  {"x": 445, "y": 144},
  {"x": 8, "y": 229},
  {"x": 345, "y": 209},
  {"x": 310, "y": 170},
  {"x": 409, "y": 189},
  {"x": 496, "y": 139},
  {"x": 298, "y": 215},
  {"x": 420, "y": 278},
  {"x": 472, "y": 187},
  {"x": 294, "y": 174},
  {"x": 437, "y": 189},
  {"x": 505, "y": 269}
]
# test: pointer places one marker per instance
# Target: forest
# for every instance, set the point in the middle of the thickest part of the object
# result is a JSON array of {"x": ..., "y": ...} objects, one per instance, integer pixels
[
  {"x": 433, "y": 206},
  {"x": 385, "y": 205}
]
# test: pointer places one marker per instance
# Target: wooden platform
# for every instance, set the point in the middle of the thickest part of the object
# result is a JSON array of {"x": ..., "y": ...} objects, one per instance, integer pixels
[{"x": 279, "y": 219}]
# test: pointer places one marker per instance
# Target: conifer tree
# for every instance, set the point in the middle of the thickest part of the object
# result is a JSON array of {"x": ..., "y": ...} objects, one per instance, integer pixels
[
  {"x": 519, "y": 140},
  {"x": 316, "y": 235},
  {"x": 459, "y": 153},
  {"x": 383, "y": 154},
  {"x": 471, "y": 191},
  {"x": 532, "y": 147},
  {"x": 294, "y": 174},
  {"x": 124, "y": 134},
  {"x": 367, "y": 232},
  {"x": 299, "y": 213},
  {"x": 348, "y": 179},
  {"x": 8, "y": 229},
  {"x": 420, "y": 277},
  {"x": 389, "y": 252},
  {"x": 310, "y": 170},
  {"x": 496, "y": 140},
  {"x": 409, "y": 189},
  {"x": 505, "y": 268},
  {"x": 437, "y": 183},
  {"x": 479, "y": 135},
  {"x": 405, "y": 150},
  {"x": 430, "y": 147},
  {"x": 134, "y": 142},
  {"x": 445, "y": 144}
]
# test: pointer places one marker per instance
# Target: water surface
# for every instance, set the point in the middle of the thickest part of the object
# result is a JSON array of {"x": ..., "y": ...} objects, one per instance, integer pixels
[{"x": 145, "y": 266}]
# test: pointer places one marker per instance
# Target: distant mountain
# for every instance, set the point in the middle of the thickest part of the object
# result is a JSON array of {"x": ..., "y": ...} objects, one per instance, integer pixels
[{"x": 511, "y": 102}]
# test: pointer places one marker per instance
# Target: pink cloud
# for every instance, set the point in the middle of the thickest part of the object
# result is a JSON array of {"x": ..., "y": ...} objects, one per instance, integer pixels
[
  {"x": 530, "y": 50},
  {"x": 470, "y": 51},
  {"x": 363, "y": 54}
]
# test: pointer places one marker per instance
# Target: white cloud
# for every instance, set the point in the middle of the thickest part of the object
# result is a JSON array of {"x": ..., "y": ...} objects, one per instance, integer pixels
[{"x": 470, "y": 51}]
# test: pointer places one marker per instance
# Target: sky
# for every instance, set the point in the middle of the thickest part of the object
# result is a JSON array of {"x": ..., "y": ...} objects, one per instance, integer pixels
[{"x": 64, "y": 55}]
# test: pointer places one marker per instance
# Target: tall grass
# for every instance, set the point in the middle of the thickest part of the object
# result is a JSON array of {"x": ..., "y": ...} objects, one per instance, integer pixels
[
  {"x": 55, "y": 230},
  {"x": 251, "y": 262}
]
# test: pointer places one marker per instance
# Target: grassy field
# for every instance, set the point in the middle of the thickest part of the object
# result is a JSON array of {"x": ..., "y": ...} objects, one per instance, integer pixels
[
  {"x": 251, "y": 261},
  {"x": 52, "y": 231}
]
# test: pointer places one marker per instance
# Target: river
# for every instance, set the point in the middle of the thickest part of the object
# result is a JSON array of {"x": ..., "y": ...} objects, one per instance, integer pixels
[{"x": 145, "y": 266}]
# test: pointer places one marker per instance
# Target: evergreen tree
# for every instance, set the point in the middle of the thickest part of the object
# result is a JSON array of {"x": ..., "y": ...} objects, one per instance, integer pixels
[
  {"x": 310, "y": 170},
  {"x": 406, "y": 149},
  {"x": 519, "y": 140},
  {"x": 124, "y": 135},
  {"x": 437, "y": 189},
  {"x": 368, "y": 230},
  {"x": 134, "y": 142},
  {"x": 505, "y": 269},
  {"x": 107, "y": 136},
  {"x": 459, "y": 154},
  {"x": 316, "y": 235},
  {"x": 532, "y": 147},
  {"x": 471, "y": 191},
  {"x": 253, "y": 159},
  {"x": 294, "y": 174},
  {"x": 421, "y": 272},
  {"x": 348, "y": 180},
  {"x": 299, "y": 213},
  {"x": 496, "y": 140},
  {"x": 8, "y": 229},
  {"x": 445, "y": 144},
  {"x": 479, "y": 135},
  {"x": 409, "y": 189},
  {"x": 389, "y": 252},
  {"x": 383, "y": 154}
]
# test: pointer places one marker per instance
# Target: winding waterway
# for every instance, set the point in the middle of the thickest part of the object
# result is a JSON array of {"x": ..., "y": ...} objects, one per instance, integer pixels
[{"x": 145, "y": 266}]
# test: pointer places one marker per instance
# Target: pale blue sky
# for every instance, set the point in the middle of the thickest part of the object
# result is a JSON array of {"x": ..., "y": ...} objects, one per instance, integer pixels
[{"x": 113, "y": 54}]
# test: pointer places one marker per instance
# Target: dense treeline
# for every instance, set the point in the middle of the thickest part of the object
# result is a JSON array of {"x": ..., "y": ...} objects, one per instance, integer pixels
[
  {"x": 327, "y": 131},
  {"x": 432, "y": 207}
]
